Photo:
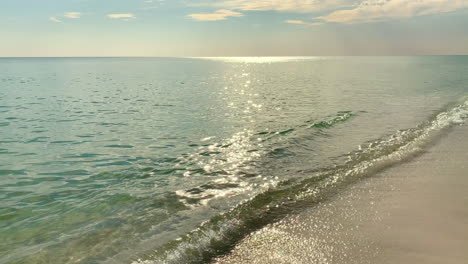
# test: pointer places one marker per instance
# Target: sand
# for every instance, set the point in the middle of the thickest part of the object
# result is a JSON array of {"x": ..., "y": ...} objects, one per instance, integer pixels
[{"x": 416, "y": 212}]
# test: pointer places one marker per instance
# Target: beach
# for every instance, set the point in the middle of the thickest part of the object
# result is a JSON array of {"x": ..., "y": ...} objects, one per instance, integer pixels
[{"x": 414, "y": 212}]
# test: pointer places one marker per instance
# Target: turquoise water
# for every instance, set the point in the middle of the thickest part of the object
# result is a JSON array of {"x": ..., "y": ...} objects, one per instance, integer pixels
[{"x": 120, "y": 160}]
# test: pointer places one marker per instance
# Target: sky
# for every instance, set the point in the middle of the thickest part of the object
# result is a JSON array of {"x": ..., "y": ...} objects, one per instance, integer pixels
[{"x": 202, "y": 28}]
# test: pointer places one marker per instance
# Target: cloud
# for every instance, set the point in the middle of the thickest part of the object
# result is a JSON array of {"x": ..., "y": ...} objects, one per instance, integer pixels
[
  {"x": 300, "y": 22},
  {"x": 294, "y": 6},
  {"x": 72, "y": 14},
  {"x": 344, "y": 11},
  {"x": 122, "y": 16},
  {"x": 54, "y": 19},
  {"x": 380, "y": 10},
  {"x": 297, "y": 22},
  {"x": 221, "y": 14}
]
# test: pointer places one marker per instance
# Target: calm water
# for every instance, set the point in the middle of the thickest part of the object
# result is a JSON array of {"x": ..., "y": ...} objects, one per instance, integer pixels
[{"x": 120, "y": 160}]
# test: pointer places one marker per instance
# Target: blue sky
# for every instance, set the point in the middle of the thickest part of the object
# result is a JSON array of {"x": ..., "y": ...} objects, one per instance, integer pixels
[{"x": 232, "y": 27}]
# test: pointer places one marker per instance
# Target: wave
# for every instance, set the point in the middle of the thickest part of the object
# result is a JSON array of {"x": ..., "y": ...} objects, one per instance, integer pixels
[
  {"x": 228, "y": 162},
  {"x": 221, "y": 233}
]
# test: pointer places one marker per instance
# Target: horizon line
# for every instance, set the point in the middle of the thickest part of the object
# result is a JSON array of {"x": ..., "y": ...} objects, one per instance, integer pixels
[{"x": 202, "y": 57}]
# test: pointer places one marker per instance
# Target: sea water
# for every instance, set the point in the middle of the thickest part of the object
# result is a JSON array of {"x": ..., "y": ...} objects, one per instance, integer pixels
[{"x": 174, "y": 160}]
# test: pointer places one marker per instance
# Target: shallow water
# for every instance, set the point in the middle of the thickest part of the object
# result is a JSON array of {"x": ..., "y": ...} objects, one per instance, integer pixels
[{"x": 111, "y": 160}]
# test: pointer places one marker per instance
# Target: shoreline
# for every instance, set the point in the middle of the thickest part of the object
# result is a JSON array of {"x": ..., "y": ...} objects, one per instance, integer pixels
[{"x": 411, "y": 213}]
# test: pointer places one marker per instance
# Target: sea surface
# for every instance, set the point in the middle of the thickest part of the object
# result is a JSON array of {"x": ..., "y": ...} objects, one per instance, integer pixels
[{"x": 175, "y": 160}]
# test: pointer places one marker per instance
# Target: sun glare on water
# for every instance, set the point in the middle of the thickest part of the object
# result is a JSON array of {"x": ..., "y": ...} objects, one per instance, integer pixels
[{"x": 258, "y": 59}]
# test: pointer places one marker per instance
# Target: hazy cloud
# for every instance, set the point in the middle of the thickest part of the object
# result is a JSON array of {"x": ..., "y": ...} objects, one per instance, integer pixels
[
  {"x": 301, "y": 22},
  {"x": 297, "y": 22},
  {"x": 346, "y": 11},
  {"x": 221, "y": 14},
  {"x": 72, "y": 14},
  {"x": 54, "y": 19},
  {"x": 379, "y": 10},
  {"x": 295, "y": 6},
  {"x": 122, "y": 16}
]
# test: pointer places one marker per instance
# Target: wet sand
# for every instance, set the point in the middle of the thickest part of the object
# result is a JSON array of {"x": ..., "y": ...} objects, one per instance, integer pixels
[{"x": 415, "y": 212}]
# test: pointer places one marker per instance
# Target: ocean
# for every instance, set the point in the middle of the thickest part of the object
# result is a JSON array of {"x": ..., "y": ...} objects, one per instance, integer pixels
[{"x": 176, "y": 160}]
